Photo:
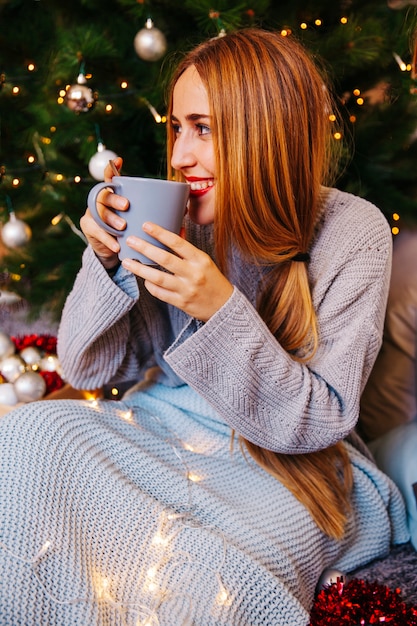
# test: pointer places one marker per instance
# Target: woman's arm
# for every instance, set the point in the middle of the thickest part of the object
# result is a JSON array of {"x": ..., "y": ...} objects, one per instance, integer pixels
[{"x": 266, "y": 396}]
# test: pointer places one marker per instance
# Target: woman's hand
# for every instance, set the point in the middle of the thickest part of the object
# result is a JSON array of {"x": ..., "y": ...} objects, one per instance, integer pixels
[
  {"x": 104, "y": 244},
  {"x": 192, "y": 282}
]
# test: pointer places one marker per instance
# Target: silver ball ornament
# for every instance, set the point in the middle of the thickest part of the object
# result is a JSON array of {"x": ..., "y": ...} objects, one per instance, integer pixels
[
  {"x": 329, "y": 577},
  {"x": 150, "y": 43},
  {"x": 15, "y": 232},
  {"x": 12, "y": 367},
  {"x": 99, "y": 160},
  {"x": 30, "y": 386},
  {"x": 7, "y": 347}
]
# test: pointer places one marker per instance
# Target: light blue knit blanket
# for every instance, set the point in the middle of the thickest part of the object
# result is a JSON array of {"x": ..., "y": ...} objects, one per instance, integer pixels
[{"x": 138, "y": 513}]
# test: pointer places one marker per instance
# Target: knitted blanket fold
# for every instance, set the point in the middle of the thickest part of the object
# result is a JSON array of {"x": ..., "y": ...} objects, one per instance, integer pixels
[{"x": 138, "y": 512}]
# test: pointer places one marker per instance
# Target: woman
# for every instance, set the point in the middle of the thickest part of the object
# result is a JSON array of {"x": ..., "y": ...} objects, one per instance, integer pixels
[{"x": 262, "y": 325}]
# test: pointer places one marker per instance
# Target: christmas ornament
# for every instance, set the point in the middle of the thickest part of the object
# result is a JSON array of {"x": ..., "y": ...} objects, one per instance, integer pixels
[
  {"x": 80, "y": 98},
  {"x": 150, "y": 43},
  {"x": 7, "y": 347},
  {"x": 29, "y": 387},
  {"x": 8, "y": 394},
  {"x": 50, "y": 363},
  {"x": 330, "y": 577},
  {"x": 15, "y": 232},
  {"x": 12, "y": 367},
  {"x": 99, "y": 160},
  {"x": 32, "y": 356},
  {"x": 19, "y": 382}
]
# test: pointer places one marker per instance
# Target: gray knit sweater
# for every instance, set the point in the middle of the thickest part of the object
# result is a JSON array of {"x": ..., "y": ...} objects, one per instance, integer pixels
[
  {"x": 119, "y": 513},
  {"x": 114, "y": 330}
]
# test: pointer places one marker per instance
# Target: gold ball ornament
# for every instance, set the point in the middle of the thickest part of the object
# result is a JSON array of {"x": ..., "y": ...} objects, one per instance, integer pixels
[
  {"x": 80, "y": 98},
  {"x": 150, "y": 43},
  {"x": 15, "y": 232}
]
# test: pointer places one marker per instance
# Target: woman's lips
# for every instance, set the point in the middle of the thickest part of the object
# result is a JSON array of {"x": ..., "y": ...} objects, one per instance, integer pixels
[{"x": 200, "y": 186}]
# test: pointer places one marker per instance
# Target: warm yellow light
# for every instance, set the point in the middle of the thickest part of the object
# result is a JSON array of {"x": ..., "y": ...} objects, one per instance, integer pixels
[
  {"x": 109, "y": 108},
  {"x": 77, "y": 179},
  {"x": 318, "y": 22},
  {"x": 343, "y": 20},
  {"x": 352, "y": 119},
  {"x": 163, "y": 119},
  {"x": 15, "y": 90},
  {"x": 46, "y": 140},
  {"x": 303, "y": 25},
  {"x": 59, "y": 177},
  {"x": 31, "y": 158},
  {"x": 395, "y": 230},
  {"x": 62, "y": 93},
  {"x": 360, "y": 101},
  {"x": 395, "y": 217},
  {"x": 31, "y": 67},
  {"x": 60, "y": 100},
  {"x": 332, "y": 117},
  {"x": 195, "y": 478},
  {"x": 284, "y": 32},
  {"x": 124, "y": 84},
  {"x": 15, "y": 182},
  {"x": 114, "y": 391},
  {"x": 356, "y": 92},
  {"x": 337, "y": 136},
  {"x": 158, "y": 540}
]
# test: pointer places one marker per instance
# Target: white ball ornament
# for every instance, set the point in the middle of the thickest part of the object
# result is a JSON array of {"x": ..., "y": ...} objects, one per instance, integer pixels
[
  {"x": 7, "y": 347},
  {"x": 31, "y": 356},
  {"x": 99, "y": 160},
  {"x": 15, "y": 232},
  {"x": 12, "y": 367},
  {"x": 30, "y": 386},
  {"x": 150, "y": 43},
  {"x": 8, "y": 394},
  {"x": 50, "y": 363}
]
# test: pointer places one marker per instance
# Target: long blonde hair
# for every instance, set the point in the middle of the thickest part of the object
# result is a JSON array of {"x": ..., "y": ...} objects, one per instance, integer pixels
[{"x": 274, "y": 152}]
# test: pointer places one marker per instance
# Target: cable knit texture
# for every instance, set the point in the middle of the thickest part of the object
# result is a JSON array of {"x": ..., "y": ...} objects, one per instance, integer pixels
[{"x": 148, "y": 514}]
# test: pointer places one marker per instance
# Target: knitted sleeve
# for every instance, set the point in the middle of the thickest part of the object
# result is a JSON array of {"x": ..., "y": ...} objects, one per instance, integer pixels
[
  {"x": 266, "y": 396},
  {"x": 97, "y": 319}
]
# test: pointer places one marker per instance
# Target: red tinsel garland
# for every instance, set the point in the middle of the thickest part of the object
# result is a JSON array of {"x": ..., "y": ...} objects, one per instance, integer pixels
[
  {"x": 47, "y": 343},
  {"x": 361, "y": 603}
]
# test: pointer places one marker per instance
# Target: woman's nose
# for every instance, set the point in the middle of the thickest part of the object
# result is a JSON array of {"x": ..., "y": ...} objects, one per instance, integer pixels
[{"x": 182, "y": 154}]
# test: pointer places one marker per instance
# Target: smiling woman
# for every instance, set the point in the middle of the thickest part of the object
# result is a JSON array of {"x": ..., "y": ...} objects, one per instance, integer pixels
[{"x": 262, "y": 324}]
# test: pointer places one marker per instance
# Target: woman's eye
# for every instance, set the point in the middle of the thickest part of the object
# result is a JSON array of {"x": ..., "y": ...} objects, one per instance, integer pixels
[
  {"x": 203, "y": 129},
  {"x": 176, "y": 128}
]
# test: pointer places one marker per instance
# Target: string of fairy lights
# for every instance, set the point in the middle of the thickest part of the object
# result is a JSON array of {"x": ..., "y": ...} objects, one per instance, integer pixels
[
  {"x": 163, "y": 553},
  {"x": 150, "y": 44}
]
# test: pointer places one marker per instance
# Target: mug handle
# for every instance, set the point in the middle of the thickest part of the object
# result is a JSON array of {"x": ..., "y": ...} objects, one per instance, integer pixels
[{"x": 92, "y": 205}]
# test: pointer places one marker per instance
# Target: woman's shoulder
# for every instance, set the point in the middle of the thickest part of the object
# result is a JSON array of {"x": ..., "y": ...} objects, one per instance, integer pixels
[
  {"x": 341, "y": 205},
  {"x": 349, "y": 220}
]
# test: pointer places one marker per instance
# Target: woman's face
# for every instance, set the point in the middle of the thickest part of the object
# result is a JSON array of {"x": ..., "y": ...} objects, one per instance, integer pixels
[{"x": 193, "y": 153}]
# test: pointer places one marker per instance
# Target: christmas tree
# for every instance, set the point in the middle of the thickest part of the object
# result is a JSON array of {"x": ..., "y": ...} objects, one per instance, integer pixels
[{"x": 81, "y": 81}]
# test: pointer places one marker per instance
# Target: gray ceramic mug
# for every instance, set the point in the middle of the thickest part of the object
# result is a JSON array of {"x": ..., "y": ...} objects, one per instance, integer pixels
[{"x": 150, "y": 200}]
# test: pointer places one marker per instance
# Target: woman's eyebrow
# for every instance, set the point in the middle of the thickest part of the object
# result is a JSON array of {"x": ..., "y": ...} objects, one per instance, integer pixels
[{"x": 192, "y": 117}]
